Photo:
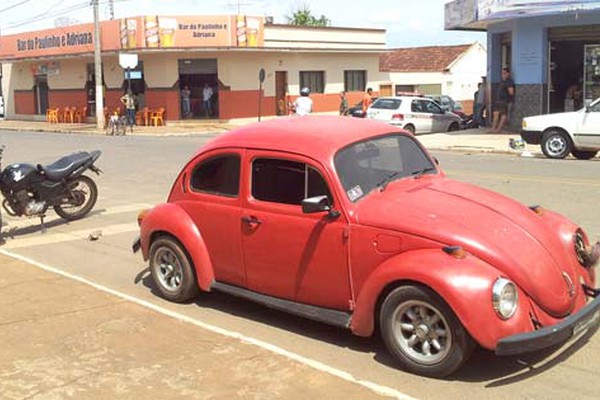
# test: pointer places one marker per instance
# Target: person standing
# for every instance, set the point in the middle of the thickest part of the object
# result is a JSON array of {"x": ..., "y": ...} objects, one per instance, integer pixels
[
  {"x": 343, "y": 104},
  {"x": 504, "y": 100},
  {"x": 303, "y": 104},
  {"x": 366, "y": 101},
  {"x": 128, "y": 100},
  {"x": 185, "y": 101},
  {"x": 479, "y": 105},
  {"x": 207, "y": 94}
]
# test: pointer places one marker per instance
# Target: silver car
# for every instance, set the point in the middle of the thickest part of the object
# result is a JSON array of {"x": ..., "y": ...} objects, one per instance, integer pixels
[{"x": 414, "y": 114}]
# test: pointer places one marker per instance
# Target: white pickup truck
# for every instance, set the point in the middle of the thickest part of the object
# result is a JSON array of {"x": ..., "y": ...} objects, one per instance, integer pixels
[{"x": 576, "y": 132}]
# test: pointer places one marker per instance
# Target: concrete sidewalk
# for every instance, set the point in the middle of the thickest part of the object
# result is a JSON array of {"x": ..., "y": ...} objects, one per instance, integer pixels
[
  {"x": 476, "y": 140},
  {"x": 64, "y": 339}
]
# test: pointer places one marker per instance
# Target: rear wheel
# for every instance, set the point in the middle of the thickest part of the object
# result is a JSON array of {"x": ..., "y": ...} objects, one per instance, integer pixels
[
  {"x": 422, "y": 332},
  {"x": 172, "y": 270},
  {"x": 79, "y": 200},
  {"x": 583, "y": 155},
  {"x": 556, "y": 144},
  {"x": 410, "y": 128}
]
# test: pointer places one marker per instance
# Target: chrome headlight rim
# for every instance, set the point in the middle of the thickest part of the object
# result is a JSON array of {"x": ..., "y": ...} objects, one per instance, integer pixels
[
  {"x": 502, "y": 288},
  {"x": 580, "y": 246}
]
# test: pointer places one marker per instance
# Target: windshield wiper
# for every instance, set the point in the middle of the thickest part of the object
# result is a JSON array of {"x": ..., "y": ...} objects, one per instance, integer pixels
[
  {"x": 384, "y": 182},
  {"x": 420, "y": 172}
]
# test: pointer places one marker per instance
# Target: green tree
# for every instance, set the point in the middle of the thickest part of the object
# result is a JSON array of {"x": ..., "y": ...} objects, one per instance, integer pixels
[{"x": 304, "y": 17}]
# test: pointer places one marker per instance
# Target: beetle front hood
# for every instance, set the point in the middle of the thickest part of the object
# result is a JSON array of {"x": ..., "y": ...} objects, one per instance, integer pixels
[{"x": 492, "y": 227}]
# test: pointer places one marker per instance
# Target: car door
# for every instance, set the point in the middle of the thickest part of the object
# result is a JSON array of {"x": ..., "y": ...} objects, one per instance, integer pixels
[
  {"x": 420, "y": 117},
  {"x": 288, "y": 254},
  {"x": 439, "y": 119},
  {"x": 213, "y": 201},
  {"x": 589, "y": 130}
]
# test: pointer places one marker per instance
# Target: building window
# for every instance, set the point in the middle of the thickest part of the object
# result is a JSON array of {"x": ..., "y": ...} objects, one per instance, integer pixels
[
  {"x": 355, "y": 81},
  {"x": 287, "y": 182},
  {"x": 219, "y": 176},
  {"x": 314, "y": 80}
]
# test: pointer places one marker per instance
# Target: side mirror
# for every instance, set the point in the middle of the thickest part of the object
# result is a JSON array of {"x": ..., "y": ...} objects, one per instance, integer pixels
[
  {"x": 319, "y": 204},
  {"x": 588, "y": 108},
  {"x": 316, "y": 204}
]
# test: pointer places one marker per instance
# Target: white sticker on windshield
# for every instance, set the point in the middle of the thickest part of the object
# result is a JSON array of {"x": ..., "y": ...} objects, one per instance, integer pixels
[{"x": 355, "y": 193}]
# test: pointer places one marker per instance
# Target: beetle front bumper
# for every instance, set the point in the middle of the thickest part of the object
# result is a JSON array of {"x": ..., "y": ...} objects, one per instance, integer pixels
[{"x": 552, "y": 335}]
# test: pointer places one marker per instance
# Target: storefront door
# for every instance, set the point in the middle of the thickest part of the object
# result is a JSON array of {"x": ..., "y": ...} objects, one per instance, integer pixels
[
  {"x": 40, "y": 95},
  {"x": 281, "y": 91}
]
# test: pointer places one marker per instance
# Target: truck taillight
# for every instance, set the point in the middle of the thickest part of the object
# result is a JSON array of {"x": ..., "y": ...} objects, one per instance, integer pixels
[{"x": 398, "y": 117}]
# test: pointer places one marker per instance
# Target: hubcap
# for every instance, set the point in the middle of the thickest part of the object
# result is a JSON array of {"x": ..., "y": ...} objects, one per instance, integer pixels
[
  {"x": 556, "y": 145},
  {"x": 168, "y": 269},
  {"x": 421, "y": 332}
]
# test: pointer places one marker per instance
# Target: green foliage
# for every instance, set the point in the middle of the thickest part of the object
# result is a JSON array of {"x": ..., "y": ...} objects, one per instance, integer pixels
[{"x": 304, "y": 17}]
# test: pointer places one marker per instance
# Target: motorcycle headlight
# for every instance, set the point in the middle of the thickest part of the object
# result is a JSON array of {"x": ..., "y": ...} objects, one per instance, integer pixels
[{"x": 504, "y": 298}]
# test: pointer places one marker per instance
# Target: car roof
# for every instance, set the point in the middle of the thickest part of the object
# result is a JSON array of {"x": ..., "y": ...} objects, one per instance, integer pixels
[
  {"x": 403, "y": 97},
  {"x": 317, "y": 137}
]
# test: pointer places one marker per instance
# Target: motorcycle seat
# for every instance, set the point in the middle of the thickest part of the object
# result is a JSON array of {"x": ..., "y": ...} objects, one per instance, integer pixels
[{"x": 63, "y": 167}]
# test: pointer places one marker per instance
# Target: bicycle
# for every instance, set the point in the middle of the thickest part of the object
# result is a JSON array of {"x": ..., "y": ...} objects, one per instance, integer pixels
[{"x": 117, "y": 125}]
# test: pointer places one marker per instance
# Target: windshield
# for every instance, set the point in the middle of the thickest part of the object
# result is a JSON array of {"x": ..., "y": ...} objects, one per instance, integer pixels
[{"x": 374, "y": 163}]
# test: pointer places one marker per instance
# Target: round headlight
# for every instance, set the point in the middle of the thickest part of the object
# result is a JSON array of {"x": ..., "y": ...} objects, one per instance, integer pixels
[
  {"x": 580, "y": 248},
  {"x": 504, "y": 298}
]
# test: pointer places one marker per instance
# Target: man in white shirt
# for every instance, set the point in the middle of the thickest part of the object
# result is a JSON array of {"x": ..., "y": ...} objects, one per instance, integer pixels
[
  {"x": 207, "y": 94},
  {"x": 303, "y": 104}
]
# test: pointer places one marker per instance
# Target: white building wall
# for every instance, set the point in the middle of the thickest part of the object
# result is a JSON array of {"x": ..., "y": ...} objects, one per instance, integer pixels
[
  {"x": 461, "y": 81},
  {"x": 239, "y": 70}
]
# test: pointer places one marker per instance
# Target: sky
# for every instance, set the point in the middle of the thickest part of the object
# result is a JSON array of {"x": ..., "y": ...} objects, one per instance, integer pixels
[{"x": 408, "y": 23}]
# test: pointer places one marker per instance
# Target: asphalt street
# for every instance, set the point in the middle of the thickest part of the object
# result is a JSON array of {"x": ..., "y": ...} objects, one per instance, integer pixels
[{"x": 138, "y": 173}]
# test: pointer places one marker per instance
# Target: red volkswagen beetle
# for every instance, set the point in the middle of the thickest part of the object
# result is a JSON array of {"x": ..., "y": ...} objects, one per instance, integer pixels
[{"x": 351, "y": 222}]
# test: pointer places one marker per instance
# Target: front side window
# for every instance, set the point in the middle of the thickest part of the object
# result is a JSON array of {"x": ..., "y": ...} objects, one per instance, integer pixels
[
  {"x": 374, "y": 163},
  {"x": 432, "y": 107},
  {"x": 287, "y": 182},
  {"x": 218, "y": 175}
]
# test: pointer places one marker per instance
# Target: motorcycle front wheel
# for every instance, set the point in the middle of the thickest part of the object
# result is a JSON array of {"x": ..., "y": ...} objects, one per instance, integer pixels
[{"x": 79, "y": 200}]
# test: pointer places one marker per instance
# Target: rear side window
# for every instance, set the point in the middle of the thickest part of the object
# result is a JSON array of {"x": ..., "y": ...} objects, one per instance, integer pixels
[
  {"x": 219, "y": 176},
  {"x": 387, "y": 104},
  {"x": 287, "y": 182}
]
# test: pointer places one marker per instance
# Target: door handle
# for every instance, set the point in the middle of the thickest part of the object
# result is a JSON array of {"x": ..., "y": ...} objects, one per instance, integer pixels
[{"x": 250, "y": 220}]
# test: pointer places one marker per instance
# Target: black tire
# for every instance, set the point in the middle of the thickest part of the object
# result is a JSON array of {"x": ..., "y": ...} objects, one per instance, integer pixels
[
  {"x": 556, "y": 144},
  {"x": 583, "y": 155},
  {"x": 453, "y": 127},
  {"x": 410, "y": 128},
  {"x": 172, "y": 271},
  {"x": 422, "y": 333},
  {"x": 80, "y": 201}
]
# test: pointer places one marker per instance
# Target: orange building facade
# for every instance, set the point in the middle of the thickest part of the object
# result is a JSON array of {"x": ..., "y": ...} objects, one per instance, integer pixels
[{"x": 55, "y": 68}]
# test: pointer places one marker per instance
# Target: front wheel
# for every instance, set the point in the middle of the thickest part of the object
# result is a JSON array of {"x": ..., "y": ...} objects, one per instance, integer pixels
[
  {"x": 78, "y": 200},
  {"x": 556, "y": 144},
  {"x": 422, "y": 333},
  {"x": 172, "y": 270},
  {"x": 583, "y": 155},
  {"x": 453, "y": 127}
]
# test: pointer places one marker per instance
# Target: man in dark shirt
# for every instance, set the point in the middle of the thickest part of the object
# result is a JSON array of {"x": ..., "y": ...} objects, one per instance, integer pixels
[{"x": 504, "y": 100}]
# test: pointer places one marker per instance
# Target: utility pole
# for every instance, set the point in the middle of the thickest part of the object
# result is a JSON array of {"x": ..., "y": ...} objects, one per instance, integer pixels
[{"x": 98, "y": 69}]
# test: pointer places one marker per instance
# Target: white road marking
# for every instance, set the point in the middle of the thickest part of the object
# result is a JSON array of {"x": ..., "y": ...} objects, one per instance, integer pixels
[
  {"x": 39, "y": 239},
  {"x": 379, "y": 389}
]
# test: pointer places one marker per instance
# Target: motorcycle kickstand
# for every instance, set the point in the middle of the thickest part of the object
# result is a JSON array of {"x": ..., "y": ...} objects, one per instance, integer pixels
[{"x": 42, "y": 224}]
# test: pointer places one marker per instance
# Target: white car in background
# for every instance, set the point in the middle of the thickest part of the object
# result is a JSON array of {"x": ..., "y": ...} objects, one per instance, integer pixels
[
  {"x": 576, "y": 132},
  {"x": 414, "y": 114}
]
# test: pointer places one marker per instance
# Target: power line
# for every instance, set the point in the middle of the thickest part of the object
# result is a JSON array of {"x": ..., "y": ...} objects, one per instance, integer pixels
[
  {"x": 45, "y": 15},
  {"x": 14, "y": 5}
]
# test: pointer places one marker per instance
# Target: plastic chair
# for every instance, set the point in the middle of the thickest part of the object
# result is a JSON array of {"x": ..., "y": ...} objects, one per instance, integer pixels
[
  {"x": 52, "y": 115},
  {"x": 157, "y": 117},
  {"x": 142, "y": 116},
  {"x": 80, "y": 115},
  {"x": 67, "y": 116}
]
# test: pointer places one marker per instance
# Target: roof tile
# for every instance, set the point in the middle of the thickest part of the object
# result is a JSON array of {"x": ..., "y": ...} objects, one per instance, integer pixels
[{"x": 421, "y": 59}]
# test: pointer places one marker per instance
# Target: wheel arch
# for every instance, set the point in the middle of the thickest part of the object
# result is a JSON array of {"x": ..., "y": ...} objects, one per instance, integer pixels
[
  {"x": 171, "y": 220},
  {"x": 465, "y": 285}
]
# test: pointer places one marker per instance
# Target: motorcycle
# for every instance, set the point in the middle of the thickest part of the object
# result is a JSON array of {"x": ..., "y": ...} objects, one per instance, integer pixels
[{"x": 30, "y": 190}]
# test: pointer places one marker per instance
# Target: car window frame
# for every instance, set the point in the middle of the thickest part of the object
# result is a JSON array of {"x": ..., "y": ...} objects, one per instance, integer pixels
[
  {"x": 196, "y": 163},
  {"x": 251, "y": 201}
]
